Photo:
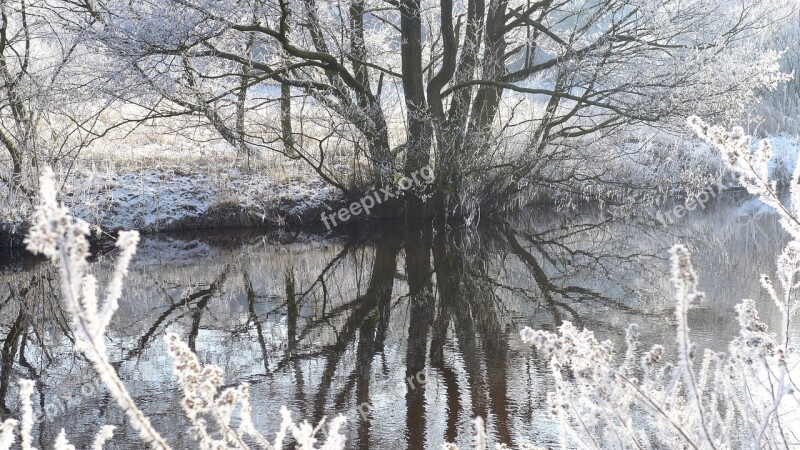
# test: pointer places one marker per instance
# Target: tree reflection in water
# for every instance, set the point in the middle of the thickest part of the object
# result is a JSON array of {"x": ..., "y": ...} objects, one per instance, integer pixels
[{"x": 345, "y": 324}]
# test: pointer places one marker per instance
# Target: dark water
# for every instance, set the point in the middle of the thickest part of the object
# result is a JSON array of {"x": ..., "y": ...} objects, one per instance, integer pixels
[{"x": 408, "y": 331}]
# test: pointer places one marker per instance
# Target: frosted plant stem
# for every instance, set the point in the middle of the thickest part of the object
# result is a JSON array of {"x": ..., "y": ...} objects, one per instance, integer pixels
[
  {"x": 26, "y": 426},
  {"x": 137, "y": 419}
]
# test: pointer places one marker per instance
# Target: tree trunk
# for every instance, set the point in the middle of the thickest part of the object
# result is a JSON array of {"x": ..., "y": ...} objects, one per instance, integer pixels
[
  {"x": 420, "y": 132},
  {"x": 17, "y": 161},
  {"x": 286, "y": 120},
  {"x": 487, "y": 99},
  {"x": 378, "y": 137},
  {"x": 451, "y": 139}
]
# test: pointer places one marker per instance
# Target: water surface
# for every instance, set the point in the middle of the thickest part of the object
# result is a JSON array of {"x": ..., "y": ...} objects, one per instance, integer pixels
[{"x": 408, "y": 331}]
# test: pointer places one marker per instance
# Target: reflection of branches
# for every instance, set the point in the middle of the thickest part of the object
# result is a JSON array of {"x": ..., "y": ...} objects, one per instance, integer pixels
[
  {"x": 546, "y": 288},
  {"x": 421, "y": 307},
  {"x": 8, "y": 299},
  {"x": 325, "y": 272},
  {"x": 253, "y": 316},
  {"x": 320, "y": 280},
  {"x": 366, "y": 323},
  {"x": 10, "y": 348},
  {"x": 292, "y": 315},
  {"x": 482, "y": 339},
  {"x": 357, "y": 304},
  {"x": 40, "y": 292},
  {"x": 201, "y": 305},
  {"x": 458, "y": 323},
  {"x": 551, "y": 245},
  {"x": 202, "y": 295},
  {"x": 554, "y": 242},
  {"x": 362, "y": 323}
]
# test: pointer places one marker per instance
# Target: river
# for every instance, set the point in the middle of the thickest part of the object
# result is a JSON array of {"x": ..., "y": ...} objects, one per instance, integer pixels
[{"x": 408, "y": 331}]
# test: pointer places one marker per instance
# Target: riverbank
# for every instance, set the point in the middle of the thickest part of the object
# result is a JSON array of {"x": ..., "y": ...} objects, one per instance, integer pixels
[
  {"x": 154, "y": 201},
  {"x": 156, "y": 188},
  {"x": 159, "y": 188}
]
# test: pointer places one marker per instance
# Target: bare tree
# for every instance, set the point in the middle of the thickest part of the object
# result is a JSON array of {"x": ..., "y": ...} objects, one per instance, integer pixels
[
  {"x": 50, "y": 106},
  {"x": 495, "y": 94}
]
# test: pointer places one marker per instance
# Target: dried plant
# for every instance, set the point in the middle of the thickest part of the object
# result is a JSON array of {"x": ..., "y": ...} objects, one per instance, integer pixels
[
  {"x": 62, "y": 238},
  {"x": 709, "y": 400},
  {"x": 751, "y": 169}
]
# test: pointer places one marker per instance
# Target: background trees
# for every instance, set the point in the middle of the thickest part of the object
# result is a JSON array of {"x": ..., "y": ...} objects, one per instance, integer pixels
[
  {"x": 497, "y": 95},
  {"x": 50, "y": 103}
]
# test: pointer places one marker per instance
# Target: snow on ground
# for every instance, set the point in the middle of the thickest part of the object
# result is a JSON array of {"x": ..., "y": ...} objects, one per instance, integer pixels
[
  {"x": 156, "y": 188},
  {"x": 156, "y": 199}
]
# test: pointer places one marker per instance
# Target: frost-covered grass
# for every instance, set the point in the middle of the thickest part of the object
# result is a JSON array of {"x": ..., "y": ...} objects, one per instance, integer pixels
[
  {"x": 172, "y": 175},
  {"x": 176, "y": 184},
  {"x": 154, "y": 188}
]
